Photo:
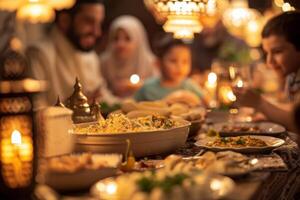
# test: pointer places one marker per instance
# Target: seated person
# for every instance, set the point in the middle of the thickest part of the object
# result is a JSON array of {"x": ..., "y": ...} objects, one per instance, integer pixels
[
  {"x": 127, "y": 53},
  {"x": 174, "y": 61},
  {"x": 68, "y": 52},
  {"x": 281, "y": 42}
]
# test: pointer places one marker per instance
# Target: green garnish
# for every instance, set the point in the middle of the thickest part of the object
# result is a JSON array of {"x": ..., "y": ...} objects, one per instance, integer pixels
[
  {"x": 240, "y": 141},
  {"x": 224, "y": 139},
  {"x": 147, "y": 184}
]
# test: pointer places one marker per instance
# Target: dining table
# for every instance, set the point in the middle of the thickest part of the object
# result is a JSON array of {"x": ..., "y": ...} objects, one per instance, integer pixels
[{"x": 277, "y": 177}]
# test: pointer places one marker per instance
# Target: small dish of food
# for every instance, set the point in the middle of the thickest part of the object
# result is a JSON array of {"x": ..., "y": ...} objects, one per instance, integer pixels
[
  {"x": 79, "y": 171},
  {"x": 248, "y": 128},
  {"x": 243, "y": 144}
]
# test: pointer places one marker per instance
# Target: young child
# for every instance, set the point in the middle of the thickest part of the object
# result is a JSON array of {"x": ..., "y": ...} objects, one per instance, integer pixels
[
  {"x": 174, "y": 61},
  {"x": 281, "y": 43}
]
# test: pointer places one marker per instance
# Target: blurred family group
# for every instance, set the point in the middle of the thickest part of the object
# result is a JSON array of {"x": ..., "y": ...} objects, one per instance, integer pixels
[{"x": 69, "y": 52}]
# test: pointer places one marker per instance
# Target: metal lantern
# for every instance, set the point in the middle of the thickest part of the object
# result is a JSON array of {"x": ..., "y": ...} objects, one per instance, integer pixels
[{"x": 17, "y": 130}]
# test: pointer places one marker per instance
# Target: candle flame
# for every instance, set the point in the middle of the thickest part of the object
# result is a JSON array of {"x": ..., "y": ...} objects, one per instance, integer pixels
[
  {"x": 240, "y": 84},
  {"x": 232, "y": 72},
  {"x": 231, "y": 96},
  {"x": 16, "y": 137},
  {"x": 212, "y": 78},
  {"x": 134, "y": 79}
]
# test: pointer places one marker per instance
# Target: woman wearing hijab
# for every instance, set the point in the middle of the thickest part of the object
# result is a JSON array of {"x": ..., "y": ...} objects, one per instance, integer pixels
[{"x": 127, "y": 53}]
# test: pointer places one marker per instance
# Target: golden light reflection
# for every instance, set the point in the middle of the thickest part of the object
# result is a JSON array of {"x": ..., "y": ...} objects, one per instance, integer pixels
[
  {"x": 10, "y": 5},
  {"x": 61, "y": 4}
]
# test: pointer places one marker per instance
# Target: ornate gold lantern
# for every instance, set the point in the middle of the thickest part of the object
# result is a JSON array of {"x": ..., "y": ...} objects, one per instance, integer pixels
[{"x": 17, "y": 131}]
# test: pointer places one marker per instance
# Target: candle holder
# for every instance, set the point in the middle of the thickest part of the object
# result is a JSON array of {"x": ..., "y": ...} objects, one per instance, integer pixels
[{"x": 18, "y": 150}]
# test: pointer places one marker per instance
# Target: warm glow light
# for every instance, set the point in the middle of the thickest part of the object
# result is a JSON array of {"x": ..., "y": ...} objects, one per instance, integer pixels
[
  {"x": 16, "y": 137},
  {"x": 238, "y": 16},
  {"x": 61, "y": 4},
  {"x": 16, "y": 148},
  {"x": 107, "y": 189},
  {"x": 134, "y": 79},
  {"x": 211, "y": 87},
  {"x": 232, "y": 72},
  {"x": 215, "y": 184},
  {"x": 231, "y": 96},
  {"x": 253, "y": 32},
  {"x": 240, "y": 84},
  {"x": 287, "y": 7},
  {"x": 183, "y": 27},
  {"x": 279, "y": 3},
  {"x": 36, "y": 12},
  {"x": 182, "y": 17},
  {"x": 111, "y": 188},
  {"x": 254, "y": 161},
  {"x": 212, "y": 78},
  {"x": 226, "y": 95},
  {"x": 10, "y": 5},
  {"x": 233, "y": 111}
]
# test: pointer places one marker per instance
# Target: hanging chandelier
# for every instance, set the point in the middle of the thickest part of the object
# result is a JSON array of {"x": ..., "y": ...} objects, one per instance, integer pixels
[
  {"x": 180, "y": 17},
  {"x": 35, "y": 11}
]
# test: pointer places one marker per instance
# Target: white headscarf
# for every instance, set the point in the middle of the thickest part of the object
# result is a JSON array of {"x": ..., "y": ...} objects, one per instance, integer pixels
[{"x": 141, "y": 63}]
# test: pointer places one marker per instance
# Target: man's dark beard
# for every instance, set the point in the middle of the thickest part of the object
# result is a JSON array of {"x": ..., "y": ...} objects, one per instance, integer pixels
[{"x": 75, "y": 40}]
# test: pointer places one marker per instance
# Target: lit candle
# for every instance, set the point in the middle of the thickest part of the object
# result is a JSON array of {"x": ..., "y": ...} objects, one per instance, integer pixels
[
  {"x": 212, "y": 80},
  {"x": 232, "y": 72},
  {"x": 231, "y": 96},
  {"x": 239, "y": 82},
  {"x": 16, "y": 158},
  {"x": 211, "y": 86},
  {"x": 226, "y": 95},
  {"x": 134, "y": 79},
  {"x": 16, "y": 141}
]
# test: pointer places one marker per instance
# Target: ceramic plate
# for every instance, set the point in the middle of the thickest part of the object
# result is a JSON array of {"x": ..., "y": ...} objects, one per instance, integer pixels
[
  {"x": 215, "y": 187},
  {"x": 83, "y": 178},
  {"x": 272, "y": 143},
  {"x": 240, "y": 128}
]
